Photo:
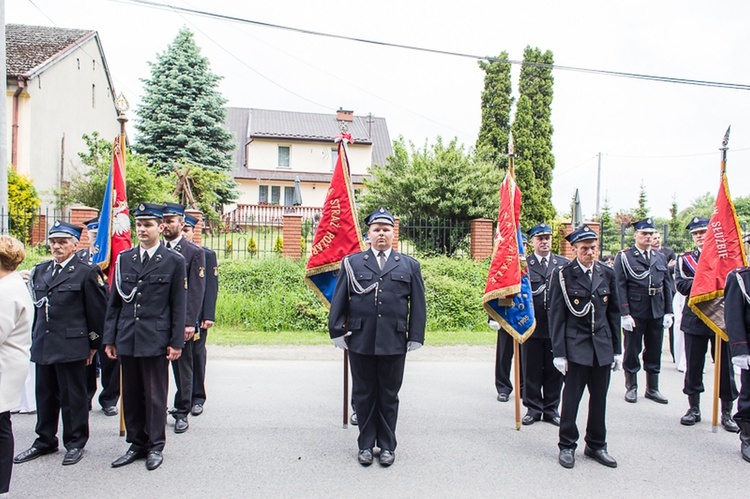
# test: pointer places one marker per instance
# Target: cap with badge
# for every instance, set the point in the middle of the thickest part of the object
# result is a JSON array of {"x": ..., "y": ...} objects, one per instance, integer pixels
[
  {"x": 174, "y": 209},
  {"x": 645, "y": 225},
  {"x": 541, "y": 229},
  {"x": 92, "y": 225},
  {"x": 190, "y": 220},
  {"x": 697, "y": 224},
  {"x": 64, "y": 229},
  {"x": 582, "y": 233},
  {"x": 380, "y": 216},
  {"x": 149, "y": 210}
]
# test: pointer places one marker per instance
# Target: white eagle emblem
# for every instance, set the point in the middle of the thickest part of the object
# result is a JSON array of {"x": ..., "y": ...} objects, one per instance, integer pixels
[{"x": 120, "y": 220}]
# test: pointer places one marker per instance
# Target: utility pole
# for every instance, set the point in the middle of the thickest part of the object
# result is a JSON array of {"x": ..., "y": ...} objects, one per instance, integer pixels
[
  {"x": 3, "y": 134},
  {"x": 598, "y": 184}
]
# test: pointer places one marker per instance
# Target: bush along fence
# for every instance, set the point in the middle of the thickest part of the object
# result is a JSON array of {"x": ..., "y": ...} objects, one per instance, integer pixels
[{"x": 290, "y": 231}]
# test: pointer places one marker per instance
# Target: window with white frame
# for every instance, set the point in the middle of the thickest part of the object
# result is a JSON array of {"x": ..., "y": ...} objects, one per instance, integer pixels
[
  {"x": 262, "y": 194},
  {"x": 284, "y": 156},
  {"x": 334, "y": 158}
]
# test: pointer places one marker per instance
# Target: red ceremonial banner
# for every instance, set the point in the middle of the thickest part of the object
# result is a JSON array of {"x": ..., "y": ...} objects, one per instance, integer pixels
[{"x": 722, "y": 252}]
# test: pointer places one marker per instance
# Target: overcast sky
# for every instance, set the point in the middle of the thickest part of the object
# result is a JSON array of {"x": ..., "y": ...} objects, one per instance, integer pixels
[{"x": 664, "y": 135}]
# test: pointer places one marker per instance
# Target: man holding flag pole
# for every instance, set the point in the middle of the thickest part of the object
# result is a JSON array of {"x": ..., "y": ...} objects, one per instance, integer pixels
[{"x": 722, "y": 253}]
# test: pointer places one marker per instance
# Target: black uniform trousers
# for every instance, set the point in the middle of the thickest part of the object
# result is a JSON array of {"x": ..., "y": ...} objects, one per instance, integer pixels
[
  {"x": 576, "y": 379},
  {"x": 144, "y": 399},
  {"x": 199, "y": 369},
  {"x": 92, "y": 372},
  {"x": 649, "y": 335},
  {"x": 743, "y": 403},
  {"x": 695, "y": 352},
  {"x": 376, "y": 381},
  {"x": 109, "y": 375},
  {"x": 541, "y": 381},
  {"x": 62, "y": 387},
  {"x": 503, "y": 361},
  {"x": 6, "y": 451},
  {"x": 182, "y": 369}
]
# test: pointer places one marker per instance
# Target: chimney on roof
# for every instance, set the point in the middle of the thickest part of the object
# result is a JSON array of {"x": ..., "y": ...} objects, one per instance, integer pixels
[{"x": 342, "y": 115}]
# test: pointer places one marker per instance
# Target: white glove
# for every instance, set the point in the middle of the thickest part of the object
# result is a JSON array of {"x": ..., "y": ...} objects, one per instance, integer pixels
[
  {"x": 668, "y": 321},
  {"x": 494, "y": 325},
  {"x": 627, "y": 323},
  {"x": 741, "y": 361},
  {"x": 561, "y": 364},
  {"x": 617, "y": 364},
  {"x": 413, "y": 345},
  {"x": 340, "y": 341}
]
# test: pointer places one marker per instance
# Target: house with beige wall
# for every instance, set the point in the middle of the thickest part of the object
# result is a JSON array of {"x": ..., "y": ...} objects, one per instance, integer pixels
[
  {"x": 58, "y": 89},
  {"x": 276, "y": 147}
]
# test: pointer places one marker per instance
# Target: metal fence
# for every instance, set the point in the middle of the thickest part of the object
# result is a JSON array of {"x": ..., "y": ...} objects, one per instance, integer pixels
[{"x": 434, "y": 236}]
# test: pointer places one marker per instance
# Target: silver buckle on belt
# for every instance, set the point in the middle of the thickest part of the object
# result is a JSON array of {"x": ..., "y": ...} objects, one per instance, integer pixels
[{"x": 654, "y": 291}]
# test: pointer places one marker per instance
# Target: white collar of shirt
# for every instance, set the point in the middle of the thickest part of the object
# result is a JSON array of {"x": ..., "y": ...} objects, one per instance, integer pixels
[
  {"x": 539, "y": 257},
  {"x": 174, "y": 242},
  {"x": 644, "y": 251},
  {"x": 150, "y": 251},
  {"x": 586, "y": 268},
  {"x": 66, "y": 262},
  {"x": 386, "y": 251}
]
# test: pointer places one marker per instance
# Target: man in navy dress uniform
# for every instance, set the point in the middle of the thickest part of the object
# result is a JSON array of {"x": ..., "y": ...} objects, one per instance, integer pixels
[
  {"x": 205, "y": 320},
  {"x": 145, "y": 329},
  {"x": 195, "y": 269},
  {"x": 70, "y": 297},
  {"x": 542, "y": 382},
  {"x": 644, "y": 287},
  {"x": 697, "y": 337},
  {"x": 584, "y": 324},
  {"x": 737, "y": 321},
  {"x": 106, "y": 369},
  {"x": 378, "y": 313}
]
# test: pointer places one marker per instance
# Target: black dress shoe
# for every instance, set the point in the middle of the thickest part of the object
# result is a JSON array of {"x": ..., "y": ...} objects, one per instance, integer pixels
[
  {"x": 528, "y": 419},
  {"x": 567, "y": 458},
  {"x": 365, "y": 457},
  {"x": 154, "y": 460},
  {"x": 503, "y": 397},
  {"x": 31, "y": 454},
  {"x": 181, "y": 425},
  {"x": 601, "y": 456},
  {"x": 553, "y": 420},
  {"x": 386, "y": 457},
  {"x": 353, "y": 420},
  {"x": 129, "y": 457},
  {"x": 110, "y": 410},
  {"x": 72, "y": 456},
  {"x": 197, "y": 410}
]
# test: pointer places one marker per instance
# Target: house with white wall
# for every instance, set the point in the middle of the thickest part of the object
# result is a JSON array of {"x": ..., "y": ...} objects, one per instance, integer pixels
[{"x": 58, "y": 89}]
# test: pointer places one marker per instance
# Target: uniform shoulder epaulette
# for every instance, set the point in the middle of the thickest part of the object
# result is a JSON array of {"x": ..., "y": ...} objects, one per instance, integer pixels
[
  {"x": 43, "y": 263},
  {"x": 741, "y": 270}
]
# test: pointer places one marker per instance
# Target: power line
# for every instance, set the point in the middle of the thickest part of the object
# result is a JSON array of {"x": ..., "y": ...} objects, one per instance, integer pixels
[{"x": 604, "y": 72}]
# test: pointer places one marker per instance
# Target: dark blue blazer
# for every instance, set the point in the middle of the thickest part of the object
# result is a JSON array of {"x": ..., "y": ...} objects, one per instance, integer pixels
[
  {"x": 634, "y": 294},
  {"x": 539, "y": 279}
]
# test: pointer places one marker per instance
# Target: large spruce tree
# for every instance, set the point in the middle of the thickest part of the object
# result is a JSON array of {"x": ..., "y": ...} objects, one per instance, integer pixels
[
  {"x": 181, "y": 117},
  {"x": 492, "y": 143},
  {"x": 532, "y": 133}
]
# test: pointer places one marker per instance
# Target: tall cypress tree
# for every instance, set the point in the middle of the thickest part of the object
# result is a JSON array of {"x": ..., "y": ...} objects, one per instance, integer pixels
[
  {"x": 532, "y": 132},
  {"x": 492, "y": 143},
  {"x": 182, "y": 113}
]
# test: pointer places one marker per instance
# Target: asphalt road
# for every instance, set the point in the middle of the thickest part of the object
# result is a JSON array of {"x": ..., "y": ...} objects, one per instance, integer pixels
[{"x": 272, "y": 428}]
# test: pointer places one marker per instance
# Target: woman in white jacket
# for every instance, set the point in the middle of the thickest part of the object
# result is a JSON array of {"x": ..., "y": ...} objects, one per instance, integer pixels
[{"x": 16, "y": 315}]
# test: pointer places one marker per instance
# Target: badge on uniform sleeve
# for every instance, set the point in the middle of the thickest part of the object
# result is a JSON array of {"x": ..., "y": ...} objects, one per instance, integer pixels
[
  {"x": 186, "y": 283},
  {"x": 93, "y": 336},
  {"x": 201, "y": 272},
  {"x": 100, "y": 281}
]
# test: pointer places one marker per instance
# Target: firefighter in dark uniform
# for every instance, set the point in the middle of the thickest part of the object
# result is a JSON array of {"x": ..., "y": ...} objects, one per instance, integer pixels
[
  {"x": 70, "y": 298},
  {"x": 584, "y": 324},
  {"x": 644, "y": 286},
  {"x": 697, "y": 337},
  {"x": 205, "y": 321},
  {"x": 106, "y": 369},
  {"x": 542, "y": 382},
  {"x": 145, "y": 329},
  {"x": 378, "y": 313},
  {"x": 195, "y": 269},
  {"x": 737, "y": 321}
]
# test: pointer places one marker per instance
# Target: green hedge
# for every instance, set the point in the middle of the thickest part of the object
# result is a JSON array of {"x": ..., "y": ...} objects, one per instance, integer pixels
[{"x": 269, "y": 294}]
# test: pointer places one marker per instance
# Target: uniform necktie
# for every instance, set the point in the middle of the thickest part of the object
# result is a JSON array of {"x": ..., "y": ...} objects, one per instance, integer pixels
[
  {"x": 145, "y": 258},
  {"x": 56, "y": 271},
  {"x": 588, "y": 274},
  {"x": 169, "y": 245},
  {"x": 648, "y": 256},
  {"x": 381, "y": 260},
  {"x": 544, "y": 264}
]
